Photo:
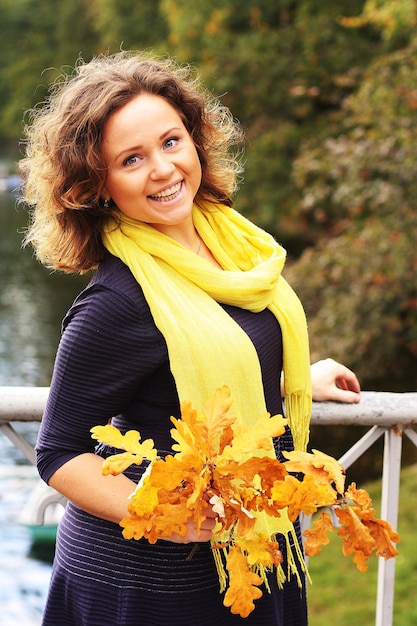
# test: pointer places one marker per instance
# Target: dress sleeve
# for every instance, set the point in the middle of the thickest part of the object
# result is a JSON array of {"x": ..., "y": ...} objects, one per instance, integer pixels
[{"x": 109, "y": 345}]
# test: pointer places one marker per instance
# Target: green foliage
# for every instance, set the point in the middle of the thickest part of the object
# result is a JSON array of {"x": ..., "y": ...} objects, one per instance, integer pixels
[
  {"x": 360, "y": 189},
  {"x": 360, "y": 295},
  {"x": 39, "y": 40},
  {"x": 36, "y": 40},
  {"x": 128, "y": 25}
]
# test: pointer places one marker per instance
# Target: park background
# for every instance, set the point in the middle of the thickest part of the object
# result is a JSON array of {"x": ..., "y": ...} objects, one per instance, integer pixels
[{"x": 327, "y": 94}]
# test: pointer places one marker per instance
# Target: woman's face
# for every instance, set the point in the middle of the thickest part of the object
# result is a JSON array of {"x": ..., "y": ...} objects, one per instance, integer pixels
[{"x": 153, "y": 167}]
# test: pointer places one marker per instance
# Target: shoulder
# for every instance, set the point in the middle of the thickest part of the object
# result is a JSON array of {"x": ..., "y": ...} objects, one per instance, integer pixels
[
  {"x": 112, "y": 297},
  {"x": 114, "y": 275}
]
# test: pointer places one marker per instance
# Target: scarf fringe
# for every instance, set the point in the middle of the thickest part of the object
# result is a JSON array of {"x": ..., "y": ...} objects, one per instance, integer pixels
[
  {"x": 298, "y": 411},
  {"x": 296, "y": 564}
]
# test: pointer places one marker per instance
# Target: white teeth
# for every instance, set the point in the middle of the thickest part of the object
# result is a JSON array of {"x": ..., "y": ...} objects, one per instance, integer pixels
[{"x": 168, "y": 192}]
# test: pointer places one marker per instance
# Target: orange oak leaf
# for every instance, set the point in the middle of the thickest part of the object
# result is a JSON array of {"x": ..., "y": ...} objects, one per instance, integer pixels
[
  {"x": 359, "y": 496},
  {"x": 318, "y": 535},
  {"x": 243, "y": 584},
  {"x": 305, "y": 495},
  {"x": 357, "y": 539},
  {"x": 174, "y": 471},
  {"x": 324, "y": 468},
  {"x": 135, "y": 527},
  {"x": 383, "y": 535}
]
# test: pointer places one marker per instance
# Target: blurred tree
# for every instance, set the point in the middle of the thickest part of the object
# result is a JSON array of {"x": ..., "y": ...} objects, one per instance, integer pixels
[
  {"x": 359, "y": 286},
  {"x": 39, "y": 40},
  {"x": 128, "y": 25},
  {"x": 326, "y": 93},
  {"x": 36, "y": 40},
  {"x": 394, "y": 18}
]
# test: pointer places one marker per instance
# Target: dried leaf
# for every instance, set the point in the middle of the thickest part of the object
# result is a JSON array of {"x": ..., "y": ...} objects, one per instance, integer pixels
[
  {"x": 383, "y": 535},
  {"x": 260, "y": 550},
  {"x": 136, "y": 451},
  {"x": 243, "y": 584},
  {"x": 357, "y": 539},
  {"x": 324, "y": 468},
  {"x": 259, "y": 436},
  {"x": 306, "y": 496},
  {"x": 218, "y": 461},
  {"x": 318, "y": 535}
]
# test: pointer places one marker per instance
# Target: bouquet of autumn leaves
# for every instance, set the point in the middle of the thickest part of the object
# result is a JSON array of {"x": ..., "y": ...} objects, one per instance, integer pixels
[{"x": 212, "y": 466}]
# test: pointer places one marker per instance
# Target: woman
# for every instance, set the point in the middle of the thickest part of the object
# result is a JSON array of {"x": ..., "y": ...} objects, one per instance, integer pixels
[{"x": 129, "y": 170}]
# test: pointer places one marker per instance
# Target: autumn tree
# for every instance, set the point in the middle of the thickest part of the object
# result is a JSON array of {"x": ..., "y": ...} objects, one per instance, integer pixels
[{"x": 359, "y": 284}]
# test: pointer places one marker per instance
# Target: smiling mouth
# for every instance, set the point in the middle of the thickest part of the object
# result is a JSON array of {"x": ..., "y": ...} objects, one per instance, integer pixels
[{"x": 168, "y": 194}]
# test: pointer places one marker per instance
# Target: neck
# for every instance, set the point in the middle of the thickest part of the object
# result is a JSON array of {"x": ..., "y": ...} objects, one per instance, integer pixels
[{"x": 185, "y": 234}]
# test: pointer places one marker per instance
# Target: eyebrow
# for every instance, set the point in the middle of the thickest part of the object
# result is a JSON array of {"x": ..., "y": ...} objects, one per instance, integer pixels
[{"x": 139, "y": 147}]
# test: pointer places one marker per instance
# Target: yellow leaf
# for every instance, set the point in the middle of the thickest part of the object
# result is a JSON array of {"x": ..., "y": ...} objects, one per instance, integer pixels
[
  {"x": 258, "y": 436},
  {"x": 136, "y": 451},
  {"x": 188, "y": 432},
  {"x": 118, "y": 463},
  {"x": 260, "y": 550},
  {"x": 217, "y": 418},
  {"x": 243, "y": 584}
]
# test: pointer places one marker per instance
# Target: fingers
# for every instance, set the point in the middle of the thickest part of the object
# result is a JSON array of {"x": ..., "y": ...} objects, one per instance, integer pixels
[
  {"x": 344, "y": 395},
  {"x": 347, "y": 380},
  {"x": 193, "y": 535},
  {"x": 335, "y": 382}
]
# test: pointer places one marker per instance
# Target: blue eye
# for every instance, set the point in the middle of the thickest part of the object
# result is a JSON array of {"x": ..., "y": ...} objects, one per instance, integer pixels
[
  {"x": 131, "y": 160},
  {"x": 171, "y": 142}
]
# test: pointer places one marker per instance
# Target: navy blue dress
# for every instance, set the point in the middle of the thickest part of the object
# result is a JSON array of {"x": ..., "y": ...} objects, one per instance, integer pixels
[{"x": 112, "y": 362}]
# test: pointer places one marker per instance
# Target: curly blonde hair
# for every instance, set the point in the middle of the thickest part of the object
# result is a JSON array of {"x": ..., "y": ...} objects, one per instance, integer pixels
[{"x": 64, "y": 172}]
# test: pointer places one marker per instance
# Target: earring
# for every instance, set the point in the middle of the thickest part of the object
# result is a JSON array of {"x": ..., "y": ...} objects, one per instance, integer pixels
[{"x": 106, "y": 203}]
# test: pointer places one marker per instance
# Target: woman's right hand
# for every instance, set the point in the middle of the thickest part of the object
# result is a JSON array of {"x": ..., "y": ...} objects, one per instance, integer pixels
[{"x": 192, "y": 535}]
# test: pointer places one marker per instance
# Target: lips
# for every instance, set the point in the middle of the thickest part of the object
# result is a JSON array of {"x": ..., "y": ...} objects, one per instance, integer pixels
[{"x": 168, "y": 194}]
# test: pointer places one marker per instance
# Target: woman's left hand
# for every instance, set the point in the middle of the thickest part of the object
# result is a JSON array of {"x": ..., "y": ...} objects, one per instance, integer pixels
[{"x": 332, "y": 381}]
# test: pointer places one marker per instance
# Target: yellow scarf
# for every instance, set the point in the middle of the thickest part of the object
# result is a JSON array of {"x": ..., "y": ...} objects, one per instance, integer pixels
[{"x": 207, "y": 348}]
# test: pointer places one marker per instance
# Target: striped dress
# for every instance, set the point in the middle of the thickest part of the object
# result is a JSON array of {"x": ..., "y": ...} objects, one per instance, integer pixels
[{"x": 112, "y": 362}]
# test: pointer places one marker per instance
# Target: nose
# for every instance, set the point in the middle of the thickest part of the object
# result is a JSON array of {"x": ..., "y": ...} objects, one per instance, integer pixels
[{"x": 161, "y": 166}]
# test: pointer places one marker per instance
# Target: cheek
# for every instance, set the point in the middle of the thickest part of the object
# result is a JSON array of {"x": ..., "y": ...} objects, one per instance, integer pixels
[
  {"x": 121, "y": 186},
  {"x": 197, "y": 170}
]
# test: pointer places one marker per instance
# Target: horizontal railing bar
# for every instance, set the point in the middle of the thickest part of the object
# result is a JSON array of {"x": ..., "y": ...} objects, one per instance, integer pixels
[
  {"x": 26, "y": 404},
  {"x": 380, "y": 408},
  {"x": 22, "y": 404}
]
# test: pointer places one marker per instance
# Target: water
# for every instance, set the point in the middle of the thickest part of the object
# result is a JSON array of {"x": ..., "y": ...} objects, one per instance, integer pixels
[
  {"x": 23, "y": 580},
  {"x": 32, "y": 304}
]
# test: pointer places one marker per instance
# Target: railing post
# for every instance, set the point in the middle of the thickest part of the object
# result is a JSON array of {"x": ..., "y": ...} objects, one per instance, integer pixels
[{"x": 389, "y": 512}]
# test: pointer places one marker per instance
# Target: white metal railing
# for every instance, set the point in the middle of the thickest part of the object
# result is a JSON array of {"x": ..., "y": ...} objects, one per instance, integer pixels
[{"x": 389, "y": 415}]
